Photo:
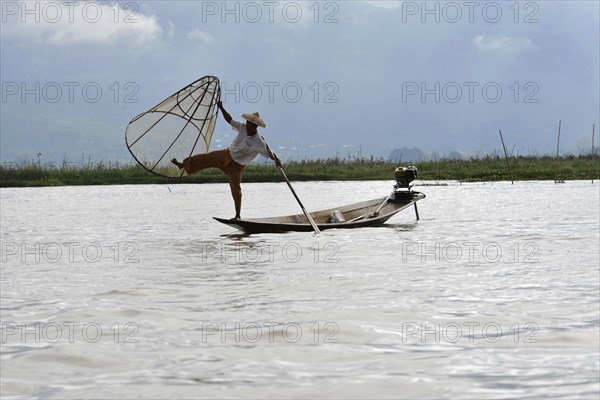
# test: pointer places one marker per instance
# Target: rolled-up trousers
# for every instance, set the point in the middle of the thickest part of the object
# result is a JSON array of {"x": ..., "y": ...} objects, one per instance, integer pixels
[{"x": 219, "y": 159}]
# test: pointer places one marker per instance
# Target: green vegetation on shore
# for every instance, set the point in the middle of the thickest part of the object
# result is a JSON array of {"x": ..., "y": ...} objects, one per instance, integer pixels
[{"x": 473, "y": 170}]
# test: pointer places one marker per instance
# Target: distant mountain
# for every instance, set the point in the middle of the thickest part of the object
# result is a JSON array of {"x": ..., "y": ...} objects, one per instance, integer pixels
[{"x": 405, "y": 154}]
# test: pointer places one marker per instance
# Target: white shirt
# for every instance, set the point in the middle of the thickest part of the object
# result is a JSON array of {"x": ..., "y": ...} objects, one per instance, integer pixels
[{"x": 245, "y": 148}]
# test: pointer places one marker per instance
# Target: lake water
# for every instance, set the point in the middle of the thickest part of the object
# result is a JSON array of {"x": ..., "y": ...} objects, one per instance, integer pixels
[{"x": 136, "y": 292}]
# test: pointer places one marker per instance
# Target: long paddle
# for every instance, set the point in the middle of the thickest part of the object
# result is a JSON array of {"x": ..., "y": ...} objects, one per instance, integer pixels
[{"x": 312, "y": 222}]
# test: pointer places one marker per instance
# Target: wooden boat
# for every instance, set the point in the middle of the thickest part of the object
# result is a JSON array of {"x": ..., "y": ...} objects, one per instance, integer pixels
[{"x": 367, "y": 213}]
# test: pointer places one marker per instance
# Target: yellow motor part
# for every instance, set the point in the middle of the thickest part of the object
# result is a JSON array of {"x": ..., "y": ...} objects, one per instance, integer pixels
[{"x": 400, "y": 172}]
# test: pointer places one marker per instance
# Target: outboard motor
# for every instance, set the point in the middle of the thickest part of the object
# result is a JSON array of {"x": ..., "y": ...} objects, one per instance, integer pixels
[
  {"x": 402, "y": 193},
  {"x": 404, "y": 181},
  {"x": 405, "y": 176}
]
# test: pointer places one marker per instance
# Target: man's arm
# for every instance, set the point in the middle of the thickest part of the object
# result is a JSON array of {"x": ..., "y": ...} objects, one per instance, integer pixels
[
  {"x": 276, "y": 160},
  {"x": 272, "y": 155},
  {"x": 225, "y": 113}
]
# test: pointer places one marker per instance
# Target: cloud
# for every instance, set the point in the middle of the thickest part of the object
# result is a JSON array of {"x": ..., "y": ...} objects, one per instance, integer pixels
[
  {"x": 171, "y": 30},
  {"x": 73, "y": 23},
  {"x": 504, "y": 43},
  {"x": 388, "y": 5},
  {"x": 201, "y": 36}
]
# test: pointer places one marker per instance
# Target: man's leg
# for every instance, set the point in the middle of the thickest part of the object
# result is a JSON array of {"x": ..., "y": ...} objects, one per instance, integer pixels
[
  {"x": 213, "y": 159},
  {"x": 234, "y": 176}
]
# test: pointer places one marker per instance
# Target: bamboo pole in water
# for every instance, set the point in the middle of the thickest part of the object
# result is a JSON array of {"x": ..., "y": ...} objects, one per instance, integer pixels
[
  {"x": 557, "y": 180},
  {"x": 506, "y": 157},
  {"x": 558, "y": 140},
  {"x": 593, "y": 132}
]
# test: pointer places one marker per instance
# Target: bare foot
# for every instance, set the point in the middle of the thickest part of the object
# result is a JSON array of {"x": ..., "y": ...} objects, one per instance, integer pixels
[{"x": 179, "y": 165}]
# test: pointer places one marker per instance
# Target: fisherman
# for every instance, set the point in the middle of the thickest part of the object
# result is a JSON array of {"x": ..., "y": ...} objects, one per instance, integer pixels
[{"x": 232, "y": 160}]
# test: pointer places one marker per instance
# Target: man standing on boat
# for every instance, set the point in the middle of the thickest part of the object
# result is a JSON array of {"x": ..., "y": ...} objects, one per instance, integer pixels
[{"x": 245, "y": 147}]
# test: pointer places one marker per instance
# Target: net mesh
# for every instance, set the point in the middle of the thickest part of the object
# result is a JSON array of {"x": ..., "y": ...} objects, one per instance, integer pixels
[{"x": 178, "y": 127}]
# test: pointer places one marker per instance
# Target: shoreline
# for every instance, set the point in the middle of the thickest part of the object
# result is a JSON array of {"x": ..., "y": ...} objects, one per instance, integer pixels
[{"x": 488, "y": 169}]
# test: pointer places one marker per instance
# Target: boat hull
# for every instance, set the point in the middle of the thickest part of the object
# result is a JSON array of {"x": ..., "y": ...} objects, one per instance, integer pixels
[{"x": 356, "y": 216}]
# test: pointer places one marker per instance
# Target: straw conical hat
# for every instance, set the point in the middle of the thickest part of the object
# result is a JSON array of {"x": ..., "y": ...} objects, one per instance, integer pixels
[{"x": 255, "y": 119}]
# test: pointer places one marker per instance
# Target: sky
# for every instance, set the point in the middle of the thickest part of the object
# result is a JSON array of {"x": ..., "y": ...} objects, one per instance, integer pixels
[{"x": 329, "y": 78}]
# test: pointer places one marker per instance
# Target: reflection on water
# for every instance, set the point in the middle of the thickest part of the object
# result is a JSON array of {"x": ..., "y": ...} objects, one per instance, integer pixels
[{"x": 135, "y": 291}]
